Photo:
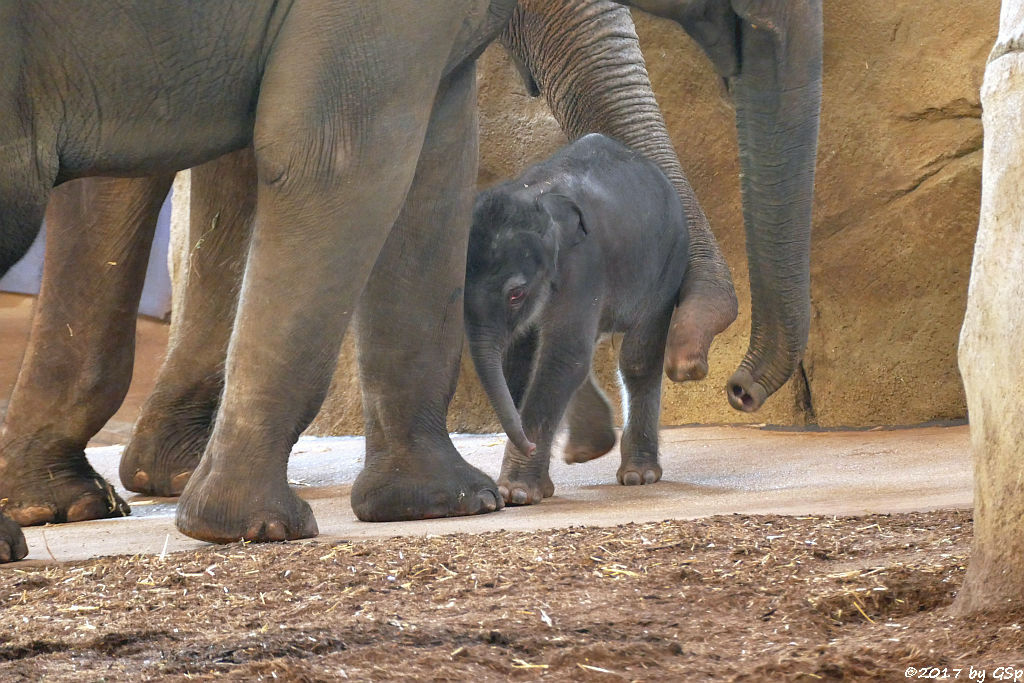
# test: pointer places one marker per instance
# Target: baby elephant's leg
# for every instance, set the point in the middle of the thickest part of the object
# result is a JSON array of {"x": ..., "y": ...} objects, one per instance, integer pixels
[
  {"x": 563, "y": 361},
  {"x": 640, "y": 362},
  {"x": 591, "y": 423}
]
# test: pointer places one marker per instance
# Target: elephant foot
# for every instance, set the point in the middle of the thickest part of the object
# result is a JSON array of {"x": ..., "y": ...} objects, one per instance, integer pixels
[
  {"x": 523, "y": 484},
  {"x": 639, "y": 470},
  {"x": 64, "y": 489},
  {"x": 169, "y": 439},
  {"x": 12, "y": 541},
  {"x": 695, "y": 322},
  {"x": 592, "y": 446},
  {"x": 426, "y": 487},
  {"x": 225, "y": 507}
]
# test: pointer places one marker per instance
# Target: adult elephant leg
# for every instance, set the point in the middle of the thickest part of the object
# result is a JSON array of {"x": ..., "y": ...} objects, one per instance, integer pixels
[
  {"x": 12, "y": 541},
  {"x": 585, "y": 57},
  {"x": 333, "y": 172},
  {"x": 770, "y": 52},
  {"x": 411, "y": 331},
  {"x": 176, "y": 420},
  {"x": 22, "y": 205},
  {"x": 78, "y": 363}
]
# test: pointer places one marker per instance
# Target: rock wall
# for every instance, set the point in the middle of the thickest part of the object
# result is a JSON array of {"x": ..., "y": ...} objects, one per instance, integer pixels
[{"x": 896, "y": 211}]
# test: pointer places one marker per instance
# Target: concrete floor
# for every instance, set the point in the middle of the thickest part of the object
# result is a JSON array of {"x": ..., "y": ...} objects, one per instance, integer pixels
[{"x": 707, "y": 470}]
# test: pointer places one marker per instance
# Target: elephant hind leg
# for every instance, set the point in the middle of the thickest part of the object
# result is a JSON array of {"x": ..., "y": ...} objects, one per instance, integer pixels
[
  {"x": 177, "y": 418},
  {"x": 640, "y": 363},
  {"x": 591, "y": 424}
]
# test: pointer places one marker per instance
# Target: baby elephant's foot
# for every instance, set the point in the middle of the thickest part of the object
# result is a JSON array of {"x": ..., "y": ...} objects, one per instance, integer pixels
[
  {"x": 639, "y": 470},
  {"x": 522, "y": 491},
  {"x": 519, "y": 485},
  {"x": 589, "y": 447}
]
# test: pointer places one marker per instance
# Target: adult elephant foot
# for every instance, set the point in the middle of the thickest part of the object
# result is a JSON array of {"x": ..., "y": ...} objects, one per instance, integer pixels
[
  {"x": 224, "y": 506},
  {"x": 169, "y": 438},
  {"x": 423, "y": 488},
  {"x": 55, "y": 489},
  {"x": 12, "y": 541}
]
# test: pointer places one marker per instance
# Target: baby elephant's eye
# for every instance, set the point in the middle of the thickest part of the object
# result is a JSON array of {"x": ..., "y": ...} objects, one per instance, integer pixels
[{"x": 515, "y": 295}]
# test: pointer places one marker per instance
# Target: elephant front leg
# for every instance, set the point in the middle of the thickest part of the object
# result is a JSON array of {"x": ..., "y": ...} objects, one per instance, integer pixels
[
  {"x": 411, "y": 331},
  {"x": 563, "y": 364},
  {"x": 176, "y": 420},
  {"x": 78, "y": 364},
  {"x": 640, "y": 362},
  {"x": 334, "y": 167}
]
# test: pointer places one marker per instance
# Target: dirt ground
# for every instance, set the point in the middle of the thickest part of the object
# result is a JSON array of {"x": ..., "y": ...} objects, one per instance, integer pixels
[{"x": 735, "y": 597}]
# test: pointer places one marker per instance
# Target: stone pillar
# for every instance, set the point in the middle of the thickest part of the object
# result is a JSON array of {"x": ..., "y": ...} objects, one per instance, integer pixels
[{"x": 992, "y": 339}]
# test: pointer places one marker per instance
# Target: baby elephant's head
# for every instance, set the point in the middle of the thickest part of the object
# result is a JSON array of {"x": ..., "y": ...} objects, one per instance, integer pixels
[{"x": 514, "y": 247}]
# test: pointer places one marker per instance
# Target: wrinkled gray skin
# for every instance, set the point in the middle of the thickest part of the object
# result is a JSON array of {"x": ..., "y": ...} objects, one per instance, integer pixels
[
  {"x": 50, "y": 419},
  {"x": 591, "y": 241},
  {"x": 769, "y": 54},
  {"x": 386, "y": 174}
]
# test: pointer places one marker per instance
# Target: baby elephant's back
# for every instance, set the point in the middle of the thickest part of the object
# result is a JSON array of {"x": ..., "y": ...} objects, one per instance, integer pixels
[{"x": 636, "y": 216}]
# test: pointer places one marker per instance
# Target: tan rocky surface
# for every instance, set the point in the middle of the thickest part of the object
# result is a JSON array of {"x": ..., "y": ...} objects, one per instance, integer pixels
[{"x": 896, "y": 210}]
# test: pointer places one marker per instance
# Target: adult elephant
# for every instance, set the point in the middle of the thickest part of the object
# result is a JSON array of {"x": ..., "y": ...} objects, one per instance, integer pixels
[
  {"x": 584, "y": 57},
  {"x": 362, "y": 119},
  {"x": 396, "y": 483}
]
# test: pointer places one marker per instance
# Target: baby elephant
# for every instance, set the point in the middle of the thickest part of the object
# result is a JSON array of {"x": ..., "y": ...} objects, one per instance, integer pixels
[{"x": 594, "y": 240}]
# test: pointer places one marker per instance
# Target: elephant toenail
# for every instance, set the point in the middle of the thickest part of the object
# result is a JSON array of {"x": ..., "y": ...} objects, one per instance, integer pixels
[
  {"x": 650, "y": 477},
  {"x": 5, "y": 552},
  {"x": 311, "y": 529},
  {"x": 140, "y": 480},
  {"x": 32, "y": 515},
  {"x": 275, "y": 531},
  {"x": 488, "y": 502},
  {"x": 89, "y": 507},
  {"x": 519, "y": 497},
  {"x": 631, "y": 479},
  {"x": 179, "y": 481}
]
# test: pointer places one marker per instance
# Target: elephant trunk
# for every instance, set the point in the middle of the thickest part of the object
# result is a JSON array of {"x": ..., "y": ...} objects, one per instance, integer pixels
[
  {"x": 777, "y": 101},
  {"x": 585, "y": 56},
  {"x": 487, "y": 360}
]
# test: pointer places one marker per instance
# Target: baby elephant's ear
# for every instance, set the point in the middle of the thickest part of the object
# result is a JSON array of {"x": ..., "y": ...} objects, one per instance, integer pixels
[{"x": 567, "y": 217}]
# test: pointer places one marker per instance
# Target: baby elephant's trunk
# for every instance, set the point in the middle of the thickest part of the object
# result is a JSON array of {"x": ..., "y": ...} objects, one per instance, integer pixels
[{"x": 487, "y": 359}]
